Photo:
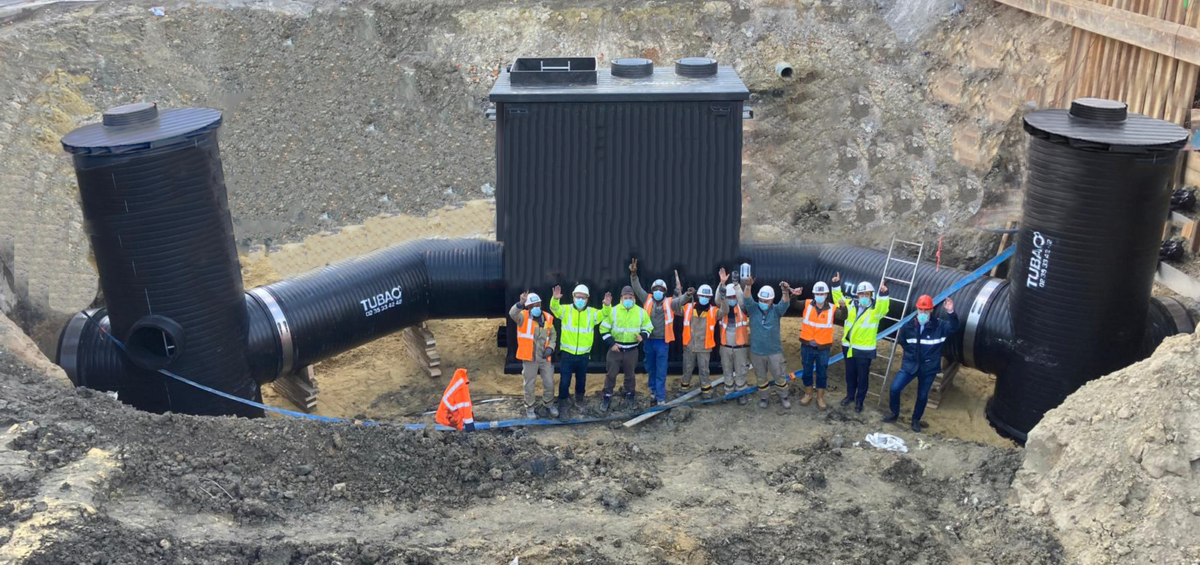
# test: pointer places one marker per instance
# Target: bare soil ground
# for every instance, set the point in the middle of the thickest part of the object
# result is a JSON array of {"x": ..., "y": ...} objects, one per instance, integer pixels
[{"x": 88, "y": 480}]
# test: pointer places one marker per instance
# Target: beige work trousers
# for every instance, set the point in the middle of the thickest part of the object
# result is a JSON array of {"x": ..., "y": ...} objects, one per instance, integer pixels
[
  {"x": 530, "y": 370},
  {"x": 768, "y": 368},
  {"x": 735, "y": 364}
]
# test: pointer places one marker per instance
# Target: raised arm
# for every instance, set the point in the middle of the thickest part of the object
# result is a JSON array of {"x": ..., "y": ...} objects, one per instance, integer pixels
[
  {"x": 555, "y": 302},
  {"x": 638, "y": 291},
  {"x": 951, "y": 317}
]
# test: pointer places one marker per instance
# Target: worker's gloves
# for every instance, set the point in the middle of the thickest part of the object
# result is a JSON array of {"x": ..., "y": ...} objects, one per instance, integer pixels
[{"x": 469, "y": 427}]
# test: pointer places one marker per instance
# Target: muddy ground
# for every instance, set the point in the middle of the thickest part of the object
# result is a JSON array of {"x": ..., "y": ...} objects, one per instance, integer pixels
[{"x": 88, "y": 480}]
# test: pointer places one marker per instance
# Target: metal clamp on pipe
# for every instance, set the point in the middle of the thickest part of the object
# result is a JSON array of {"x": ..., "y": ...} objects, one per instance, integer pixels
[
  {"x": 974, "y": 315},
  {"x": 283, "y": 331}
]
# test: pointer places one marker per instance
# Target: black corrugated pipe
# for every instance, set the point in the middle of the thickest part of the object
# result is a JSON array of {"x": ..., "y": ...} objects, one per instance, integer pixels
[
  {"x": 1096, "y": 193},
  {"x": 155, "y": 208},
  {"x": 316, "y": 315}
]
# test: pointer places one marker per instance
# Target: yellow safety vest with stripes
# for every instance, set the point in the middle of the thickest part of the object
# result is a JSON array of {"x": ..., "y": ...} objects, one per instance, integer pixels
[
  {"x": 578, "y": 326},
  {"x": 861, "y": 331},
  {"x": 624, "y": 324}
]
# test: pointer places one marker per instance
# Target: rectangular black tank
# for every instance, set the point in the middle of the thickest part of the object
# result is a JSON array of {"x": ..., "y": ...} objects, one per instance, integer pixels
[{"x": 595, "y": 166}]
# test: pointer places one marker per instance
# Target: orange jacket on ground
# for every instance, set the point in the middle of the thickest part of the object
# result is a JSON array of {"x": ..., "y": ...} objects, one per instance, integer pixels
[{"x": 455, "y": 409}]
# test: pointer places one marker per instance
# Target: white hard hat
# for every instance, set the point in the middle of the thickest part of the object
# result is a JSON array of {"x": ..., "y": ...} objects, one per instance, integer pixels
[
  {"x": 581, "y": 289},
  {"x": 730, "y": 290},
  {"x": 533, "y": 298},
  {"x": 705, "y": 290},
  {"x": 766, "y": 293},
  {"x": 658, "y": 283},
  {"x": 820, "y": 288},
  {"x": 865, "y": 287}
]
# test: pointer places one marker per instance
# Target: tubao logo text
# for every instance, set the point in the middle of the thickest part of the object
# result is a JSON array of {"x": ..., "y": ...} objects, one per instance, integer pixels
[
  {"x": 381, "y": 302},
  {"x": 1039, "y": 261}
]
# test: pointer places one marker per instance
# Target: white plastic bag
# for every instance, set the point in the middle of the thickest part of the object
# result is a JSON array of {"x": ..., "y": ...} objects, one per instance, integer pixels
[{"x": 887, "y": 442}]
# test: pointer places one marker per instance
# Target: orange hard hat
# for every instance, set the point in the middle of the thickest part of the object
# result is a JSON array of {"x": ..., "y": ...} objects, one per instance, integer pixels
[{"x": 925, "y": 302}]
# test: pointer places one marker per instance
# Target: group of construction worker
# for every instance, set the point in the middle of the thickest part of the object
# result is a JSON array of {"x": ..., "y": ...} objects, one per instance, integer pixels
[{"x": 746, "y": 329}]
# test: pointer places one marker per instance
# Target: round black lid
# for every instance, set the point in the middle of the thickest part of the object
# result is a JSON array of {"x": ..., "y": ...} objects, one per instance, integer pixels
[
  {"x": 632, "y": 67},
  {"x": 695, "y": 67},
  {"x": 1105, "y": 125},
  {"x": 137, "y": 126}
]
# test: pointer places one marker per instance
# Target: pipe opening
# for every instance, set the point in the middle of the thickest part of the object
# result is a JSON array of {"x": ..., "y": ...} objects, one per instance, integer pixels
[
  {"x": 784, "y": 70},
  {"x": 153, "y": 342}
]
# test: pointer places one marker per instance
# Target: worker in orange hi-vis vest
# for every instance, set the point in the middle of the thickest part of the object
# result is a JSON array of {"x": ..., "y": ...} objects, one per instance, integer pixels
[{"x": 455, "y": 409}]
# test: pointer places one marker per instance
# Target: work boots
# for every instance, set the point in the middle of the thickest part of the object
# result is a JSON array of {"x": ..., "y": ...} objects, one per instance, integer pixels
[
  {"x": 821, "y": 399},
  {"x": 808, "y": 396},
  {"x": 553, "y": 411},
  {"x": 579, "y": 403},
  {"x": 630, "y": 402},
  {"x": 530, "y": 414},
  {"x": 846, "y": 401},
  {"x": 606, "y": 404}
]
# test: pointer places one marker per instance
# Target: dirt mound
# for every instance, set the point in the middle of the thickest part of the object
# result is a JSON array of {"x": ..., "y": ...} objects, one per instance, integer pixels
[{"x": 1117, "y": 466}]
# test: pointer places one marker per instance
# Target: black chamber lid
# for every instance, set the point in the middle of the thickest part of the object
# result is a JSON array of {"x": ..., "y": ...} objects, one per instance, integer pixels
[
  {"x": 696, "y": 67},
  {"x": 1105, "y": 125},
  {"x": 140, "y": 126},
  {"x": 634, "y": 67}
]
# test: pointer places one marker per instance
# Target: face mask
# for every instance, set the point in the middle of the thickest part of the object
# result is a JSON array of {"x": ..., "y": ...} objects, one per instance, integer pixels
[
  {"x": 820, "y": 298},
  {"x": 580, "y": 303},
  {"x": 704, "y": 301},
  {"x": 536, "y": 311},
  {"x": 732, "y": 302},
  {"x": 763, "y": 306},
  {"x": 627, "y": 303},
  {"x": 865, "y": 301},
  {"x": 922, "y": 317},
  {"x": 658, "y": 295}
]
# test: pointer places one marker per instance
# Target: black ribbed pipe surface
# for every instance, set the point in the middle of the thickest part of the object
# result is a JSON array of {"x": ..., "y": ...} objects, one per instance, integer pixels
[
  {"x": 1082, "y": 276},
  {"x": 159, "y": 224},
  {"x": 347, "y": 304}
]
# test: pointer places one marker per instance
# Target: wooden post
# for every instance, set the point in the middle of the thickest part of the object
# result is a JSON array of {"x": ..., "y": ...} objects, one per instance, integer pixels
[
  {"x": 422, "y": 347},
  {"x": 300, "y": 388},
  {"x": 1004, "y": 239}
]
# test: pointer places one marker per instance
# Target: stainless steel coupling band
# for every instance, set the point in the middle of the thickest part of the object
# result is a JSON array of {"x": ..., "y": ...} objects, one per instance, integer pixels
[
  {"x": 974, "y": 316},
  {"x": 286, "y": 350}
]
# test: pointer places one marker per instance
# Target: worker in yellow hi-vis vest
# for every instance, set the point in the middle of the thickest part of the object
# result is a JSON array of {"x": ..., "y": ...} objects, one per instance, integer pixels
[{"x": 860, "y": 333}]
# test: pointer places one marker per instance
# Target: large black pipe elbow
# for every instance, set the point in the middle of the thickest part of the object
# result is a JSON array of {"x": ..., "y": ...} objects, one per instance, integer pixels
[{"x": 311, "y": 317}]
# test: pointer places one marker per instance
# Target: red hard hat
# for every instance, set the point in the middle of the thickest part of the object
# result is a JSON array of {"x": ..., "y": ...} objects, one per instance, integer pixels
[{"x": 925, "y": 302}]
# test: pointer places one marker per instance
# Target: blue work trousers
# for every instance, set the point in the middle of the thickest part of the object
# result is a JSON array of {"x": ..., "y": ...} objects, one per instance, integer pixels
[
  {"x": 858, "y": 377},
  {"x": 924, "y": 384},
  {"x": 656, "y": 367},
  {"x": 570, "y": 365},
  {"x": 815, "y": 360}
]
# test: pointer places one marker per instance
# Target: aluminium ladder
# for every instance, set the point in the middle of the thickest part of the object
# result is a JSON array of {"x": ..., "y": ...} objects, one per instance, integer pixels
[{"x": 908, "y": 274}]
